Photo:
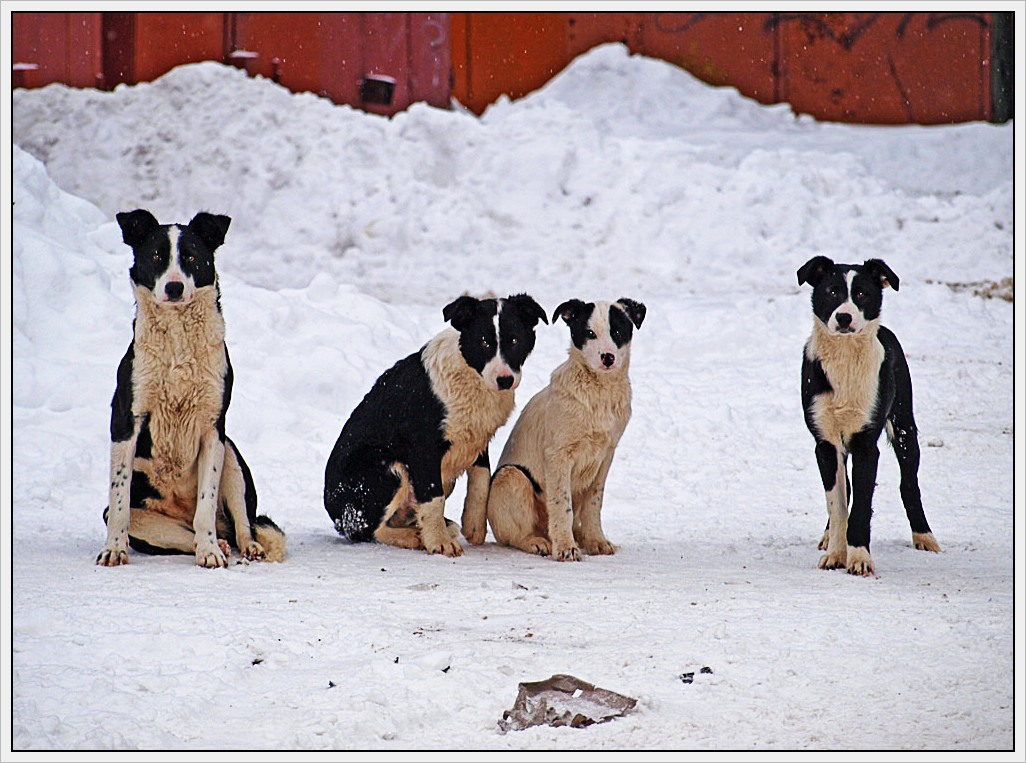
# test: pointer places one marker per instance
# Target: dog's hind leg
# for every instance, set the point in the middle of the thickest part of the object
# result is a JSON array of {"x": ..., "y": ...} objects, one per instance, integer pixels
[
  {"x": 238, "y": 495},
  {"x": 155, "y": 533},
  {"x": 904, "y": 438},
  {"x": 833, "y": 472},
  {"x": 513, "y": 512}
]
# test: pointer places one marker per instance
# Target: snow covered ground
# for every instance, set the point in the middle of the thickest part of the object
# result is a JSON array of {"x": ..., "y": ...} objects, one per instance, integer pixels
[{"x": 623, "y": 177}]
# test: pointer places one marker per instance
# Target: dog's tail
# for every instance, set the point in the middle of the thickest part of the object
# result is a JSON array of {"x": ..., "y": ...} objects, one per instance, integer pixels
[{"x": 271, "y": 537}]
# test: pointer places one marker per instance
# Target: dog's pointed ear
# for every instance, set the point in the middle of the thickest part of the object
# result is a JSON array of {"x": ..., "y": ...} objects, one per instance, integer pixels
[
  {"x": 878, "y": 269},
  {"x": 635, "y": 310},
  {"x": 136, "y": 226},
  {"x": 210, "y": 228},
  {"x": 568, "y": 310},
  {"x": 812, "y": 272},
  {"x": 528, "y": 308},
  {"x": 460, "y": 311}
]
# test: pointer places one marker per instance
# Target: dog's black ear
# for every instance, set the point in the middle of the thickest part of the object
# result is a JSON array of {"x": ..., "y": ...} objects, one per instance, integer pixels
[
  {"x": 812, "y": 272},
  {"x": 878, "y": 269},
  {"x": 528, "y": 308},
  {"x": 568, "y": 310},
  {"x": 635, "y": 310},
  {"x": 460, "y": 311},
  {"x": 136, "y": 226},
  {"x": 210, "y": 228}
]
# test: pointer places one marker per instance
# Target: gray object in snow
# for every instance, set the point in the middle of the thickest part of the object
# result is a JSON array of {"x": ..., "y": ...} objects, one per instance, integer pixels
[{"x": 563, "y": 700}]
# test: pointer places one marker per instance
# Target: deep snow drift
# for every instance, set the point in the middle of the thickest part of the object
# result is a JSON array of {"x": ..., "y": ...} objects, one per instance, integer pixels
[{"x": 623, "y": 177}]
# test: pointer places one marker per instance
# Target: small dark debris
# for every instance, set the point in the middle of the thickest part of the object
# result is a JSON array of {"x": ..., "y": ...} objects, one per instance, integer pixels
[
  {"x": 689, "y": 678},
  {"x": 396, "y": 660},
  {"x": 447, "y": 668},
  {"x": 331, "y": 684},
  {"x": 257, "y": 660}
]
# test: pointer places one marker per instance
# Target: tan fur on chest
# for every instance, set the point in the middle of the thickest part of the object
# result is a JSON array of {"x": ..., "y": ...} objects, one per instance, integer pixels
[
  {"x": 588, "y": 413},
  {"x": 579, "y": 419},
  {"x": 852, "y": 365},
  {"x": 473, "y": 411},
  {"x": 179, "y": 374}
]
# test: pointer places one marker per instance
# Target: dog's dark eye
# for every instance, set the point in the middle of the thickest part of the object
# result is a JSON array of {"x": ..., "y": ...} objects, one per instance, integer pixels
[
  {"x": 156, "y": 258},
  {"x": 590, "y": 334},
  {"x": 513, "y": 341},
  {"x": 190, "y": 259},
  {"x": 486, "y": 344}
]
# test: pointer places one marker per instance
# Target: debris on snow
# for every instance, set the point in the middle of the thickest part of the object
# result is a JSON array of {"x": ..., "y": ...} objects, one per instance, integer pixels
[{"x": 563, "y": 700}]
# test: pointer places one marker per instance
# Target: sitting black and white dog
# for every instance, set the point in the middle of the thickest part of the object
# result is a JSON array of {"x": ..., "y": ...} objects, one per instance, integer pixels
[
  {"x": 426, "y": 421},
  {"x": 177, "y": 483},
  {"x": 855, "y": 383}
]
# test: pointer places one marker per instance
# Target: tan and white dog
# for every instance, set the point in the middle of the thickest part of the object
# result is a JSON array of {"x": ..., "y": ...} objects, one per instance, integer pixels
[{"x": 546, "y": 493}]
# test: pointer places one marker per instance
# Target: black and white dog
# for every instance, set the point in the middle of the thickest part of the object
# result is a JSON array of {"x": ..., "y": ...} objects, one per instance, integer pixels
[
  {"x": 855, "y": 383},
  {"x": 426, "y": 421},
  {"x": 177, "y": 483},
  {"x": 547, "y": 493}
]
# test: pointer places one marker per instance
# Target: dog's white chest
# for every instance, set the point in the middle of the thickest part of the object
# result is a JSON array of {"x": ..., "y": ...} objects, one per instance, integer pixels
[
  {"x": 178, "y": 382},
  {"x": 852, "y": 366}
]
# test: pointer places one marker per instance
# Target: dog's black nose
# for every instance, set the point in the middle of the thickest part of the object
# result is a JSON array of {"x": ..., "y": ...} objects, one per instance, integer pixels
[
  {"x": 174, "y": 290},
  {"x": 843, "y": 320},
  {"x": 504, "y": 382},
  {"x": 608, "y": 359}
]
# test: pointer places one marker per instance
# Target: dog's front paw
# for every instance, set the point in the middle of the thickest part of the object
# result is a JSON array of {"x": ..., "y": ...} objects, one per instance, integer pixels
[
  {"x": 474, "y": 533},
  {"x": 112, "y": 556},
  {"x": 859, "y": 561},
  {"x": 834, "y": 560},
  {"x": 568, "y": 554},
  {"x": 211, "y": 556},
  {"x": 448, "y": 547},
  {"x": 599, "y": 547}
]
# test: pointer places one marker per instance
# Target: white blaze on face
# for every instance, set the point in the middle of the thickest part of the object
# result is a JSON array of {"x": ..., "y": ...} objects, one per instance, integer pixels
[
  {"x": 601, "y": 353},
  {"x": 497, "y": 374},
  {"x": 857, "y": 321},
  {"x": 174, "y": 286}
]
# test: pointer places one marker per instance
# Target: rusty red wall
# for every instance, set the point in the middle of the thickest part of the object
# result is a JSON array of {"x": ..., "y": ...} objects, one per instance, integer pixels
[
  {"x": 858, "y": 67},
  {"x": 930, "y": 67},
  {"x": 332, "y": 54},
  {"x": 56, "y": 47}
]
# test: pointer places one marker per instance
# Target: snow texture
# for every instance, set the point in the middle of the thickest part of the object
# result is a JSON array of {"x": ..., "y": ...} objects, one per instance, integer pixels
[{"x": 624, "y": 176}]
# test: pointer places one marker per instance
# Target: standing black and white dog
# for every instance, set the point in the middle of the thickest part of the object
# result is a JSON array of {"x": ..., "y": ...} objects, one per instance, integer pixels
[
  {"x": 177, "y": 483},
  {"x": 855, "y": 383},
  {"x": 426, "y": 421},
  {"x": 547, "y": 492}
]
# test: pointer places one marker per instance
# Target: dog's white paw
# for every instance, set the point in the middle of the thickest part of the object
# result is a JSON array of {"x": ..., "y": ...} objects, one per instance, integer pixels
[
  {"x": 211, "y": 556},
  {"x": 569, "y": 554},
  {"x": 598, "y": 547},
  {"x": 448, "y": 547},
  {"x": 112, "y": 556},
  {"x": 859, "y": 561},
  {"x": 834, "y": 560}
]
